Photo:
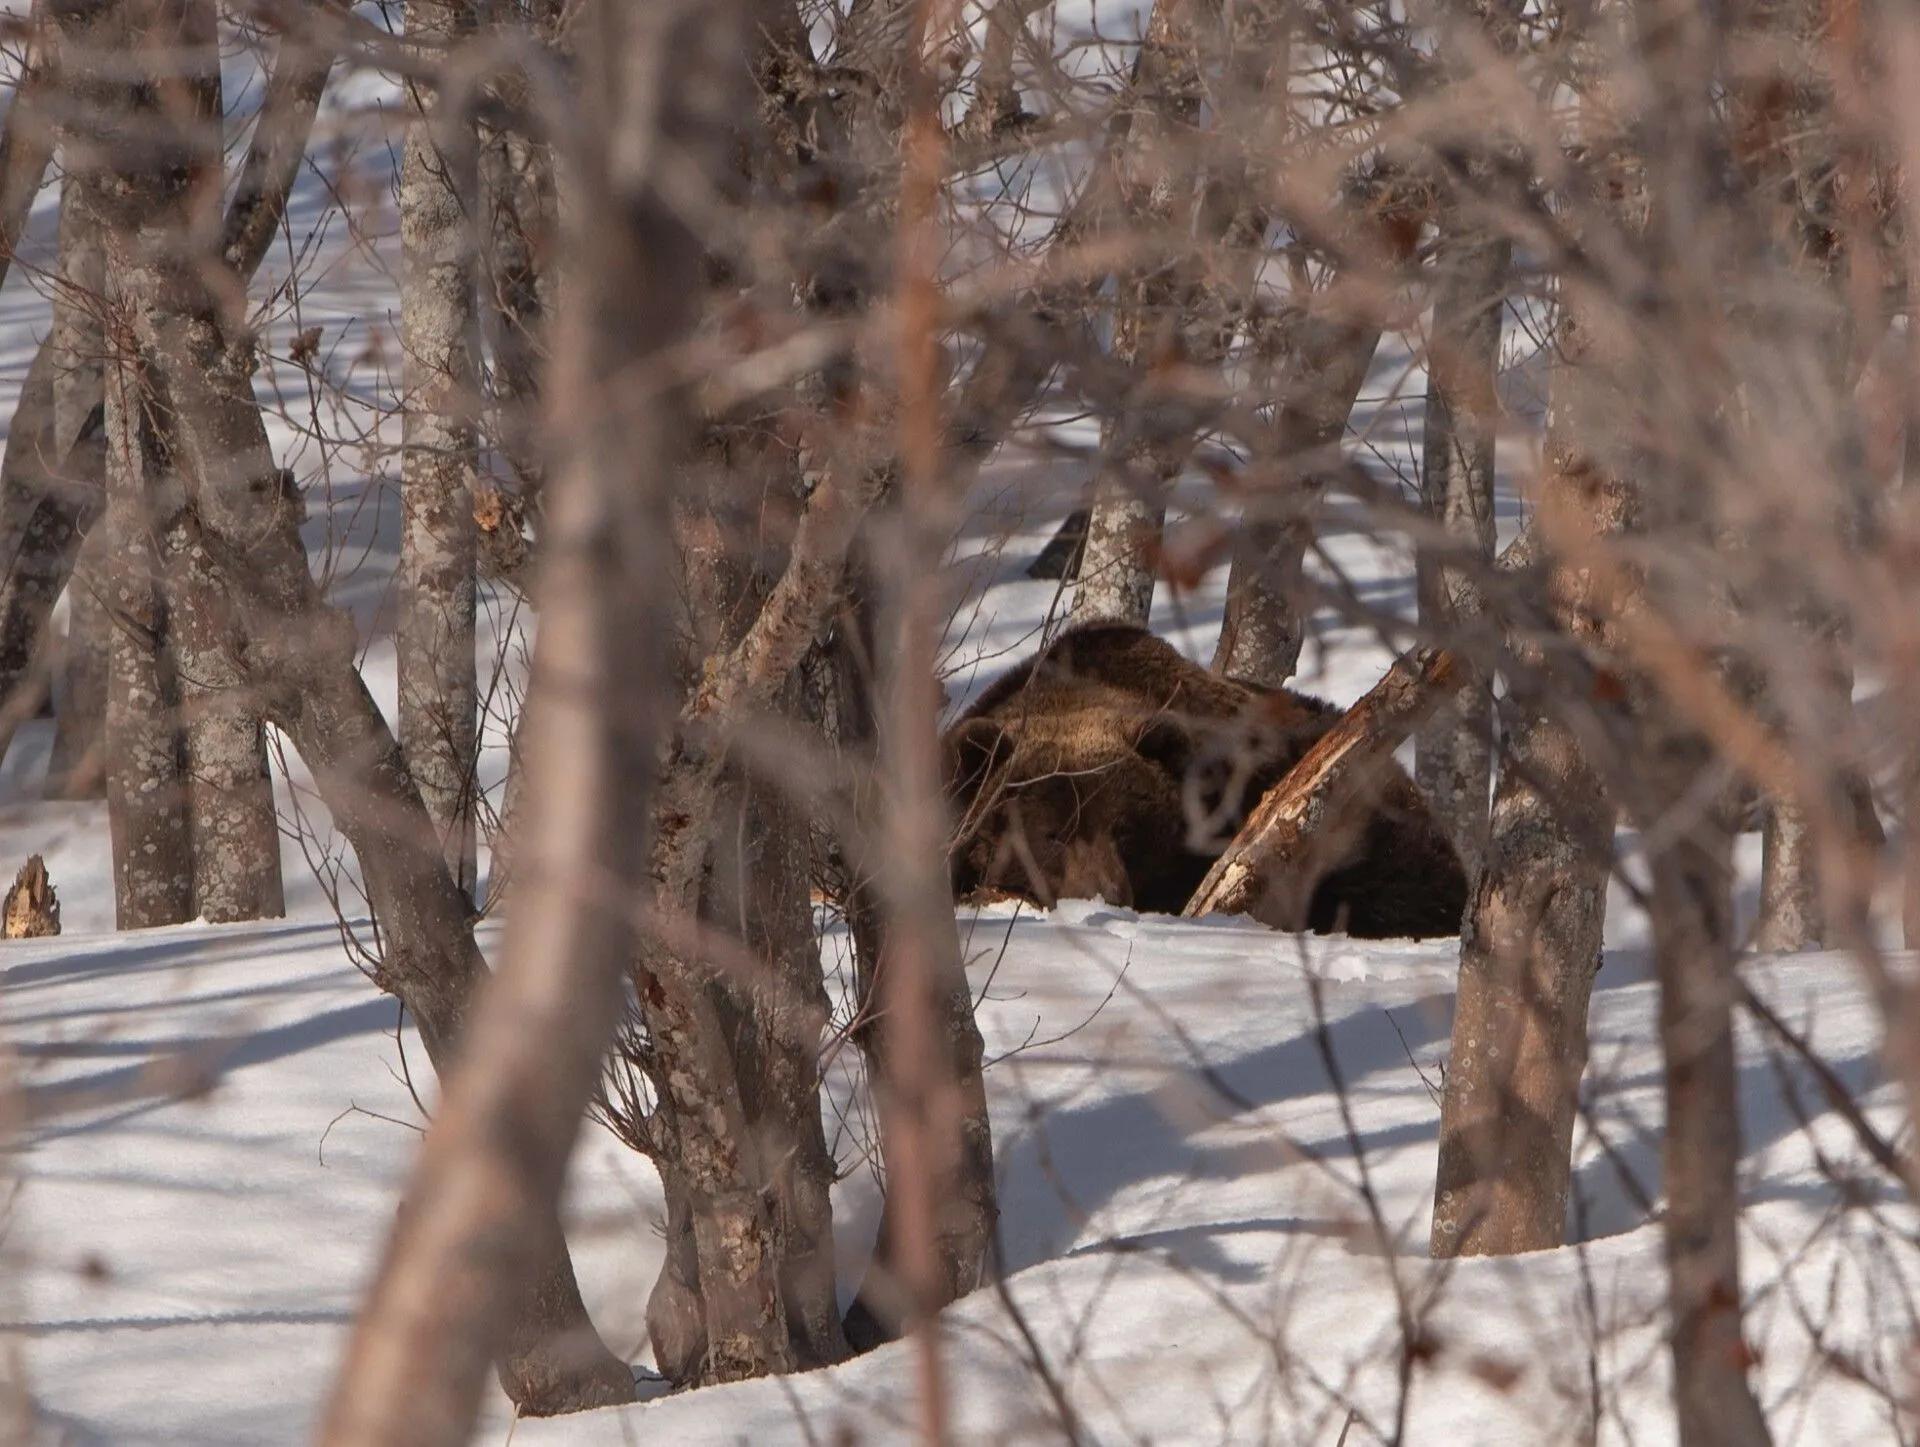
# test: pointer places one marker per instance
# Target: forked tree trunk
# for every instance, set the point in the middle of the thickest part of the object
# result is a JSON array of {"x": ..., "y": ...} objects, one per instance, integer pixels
[
  {"x": 300, "y": 655},
  {"x": 1453, "y": 752},
  {"x": 43, "y": 514},
  {"x": 434, "y": 642},
  {"x": 234, "y": 831},
  {"x": 146, "y": 782}
]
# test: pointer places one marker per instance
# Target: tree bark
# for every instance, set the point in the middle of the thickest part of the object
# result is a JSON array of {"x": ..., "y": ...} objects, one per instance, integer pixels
[
  {"x": 26, "y": 139},
  {"x": 1156, "y": 171},
  {"x": 300, "y": 655},
  {"x": 1693, "y": 947},
  {"x": 77, "y": 768},
  {"x": 1530, "y": 944},
  {"x": 434, "y": 641},
  {"x": 47, "y": 504},
  {"x": 274, "y": 155},
  {"x": 1453, "y": 753},
  {"x": 234, "y": 831},
  {"x": 1263, "y": 628},
  {"x": 79, "y": 342},
  {"x": 1529, "y": 951},
  {"x": 146, "y": 782},
  {"x": 43, "y": 514},
  {"x": 231, "y": 818}
]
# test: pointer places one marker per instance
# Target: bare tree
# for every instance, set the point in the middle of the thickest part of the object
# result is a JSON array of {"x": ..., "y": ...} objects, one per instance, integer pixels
[{"x": 299, "y": 655}]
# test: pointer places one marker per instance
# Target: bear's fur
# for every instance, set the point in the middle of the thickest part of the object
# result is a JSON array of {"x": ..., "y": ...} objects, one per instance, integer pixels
[{"x": 1110, "y": 765}]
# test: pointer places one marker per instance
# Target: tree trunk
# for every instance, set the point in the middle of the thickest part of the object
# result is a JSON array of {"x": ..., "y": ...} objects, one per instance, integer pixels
[
  {"x": 1453, "y": 753},
  {"x": 78, "y": 766},
  {"x": 1530, "y": 944},
  {"x": 275, "y": 154},
  {"x": 146, "y": 783},
  {"x": 964, "y": 1188},
  {"x": 79, "y": 343},
  {"x": 231, "y": 818},
  {"x": 1117, "y": 561},
  {"x": 46, "y": 507},
  {"x": 231, "y": 821},
  {"x": 761, "y": 873},
  {"x": 1263, "y": 628},
  {"x": 1156, "y": 167},
  {"x": 439, "y": 687},
  {"x": 26, "y": 139},
  {"x": 1529, "y": 950},
  {"x": 1693, "y": 947},
  {"x": 43, "y": 515},
  {"x": 300, "y": 655}
]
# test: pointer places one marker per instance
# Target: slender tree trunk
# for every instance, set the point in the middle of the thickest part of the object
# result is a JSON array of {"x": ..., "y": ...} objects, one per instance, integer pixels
[
  {"x": 1694, "y": 957},
  {"x": 439, "y": 688},
  {"x": 46, "y": 507},
  {"x": 761, "y": 871},
  {"x": 26, "y": 138},
  {"x": 235, "y": 831},
  {"x": 1264, "y": 626},
  {"x": 231, "y": 821},
  {"x": 1453, "y": 753},
  {"x": 79, "y": 342},
  {"x": 1529, "y": 950},
  {"x": 300, "y": 656},
  {"x": 146, "y": 783},
  {"x": 966, "y": 1192},
  {"x": 275, "y": 154},
  {"x": 1530, "y": 943},
  {"x": 1157, "y": 172},
  {"x": 78, "y": 766}
]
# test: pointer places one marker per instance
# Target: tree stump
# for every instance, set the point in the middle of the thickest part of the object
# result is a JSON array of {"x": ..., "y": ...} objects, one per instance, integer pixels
[{"x": 32, "y": 909}]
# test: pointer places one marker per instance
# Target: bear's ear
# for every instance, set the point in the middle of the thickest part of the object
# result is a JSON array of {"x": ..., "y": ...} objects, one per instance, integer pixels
[
  {"x": 975, "y": 750},
  {"x": 1166, "y": 741}
]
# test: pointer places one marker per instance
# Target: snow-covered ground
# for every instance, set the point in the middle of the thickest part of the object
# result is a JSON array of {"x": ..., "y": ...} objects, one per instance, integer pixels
[
  {"x": 1216, "y": 1144},
  {"x": 218, "y": 1122}
]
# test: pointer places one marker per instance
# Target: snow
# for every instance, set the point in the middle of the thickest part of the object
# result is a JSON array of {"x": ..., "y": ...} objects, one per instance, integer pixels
[
  {"x": 1209, "y": 1239},
  {"x": 218, "y": 1124}
]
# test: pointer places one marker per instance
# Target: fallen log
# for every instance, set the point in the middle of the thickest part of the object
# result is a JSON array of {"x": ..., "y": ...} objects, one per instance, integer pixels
[{"x": 1297, "y": 832}]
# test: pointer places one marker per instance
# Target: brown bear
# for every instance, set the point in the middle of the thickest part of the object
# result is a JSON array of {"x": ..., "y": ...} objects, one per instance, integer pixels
[{"x": 1110, "y": 765}]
